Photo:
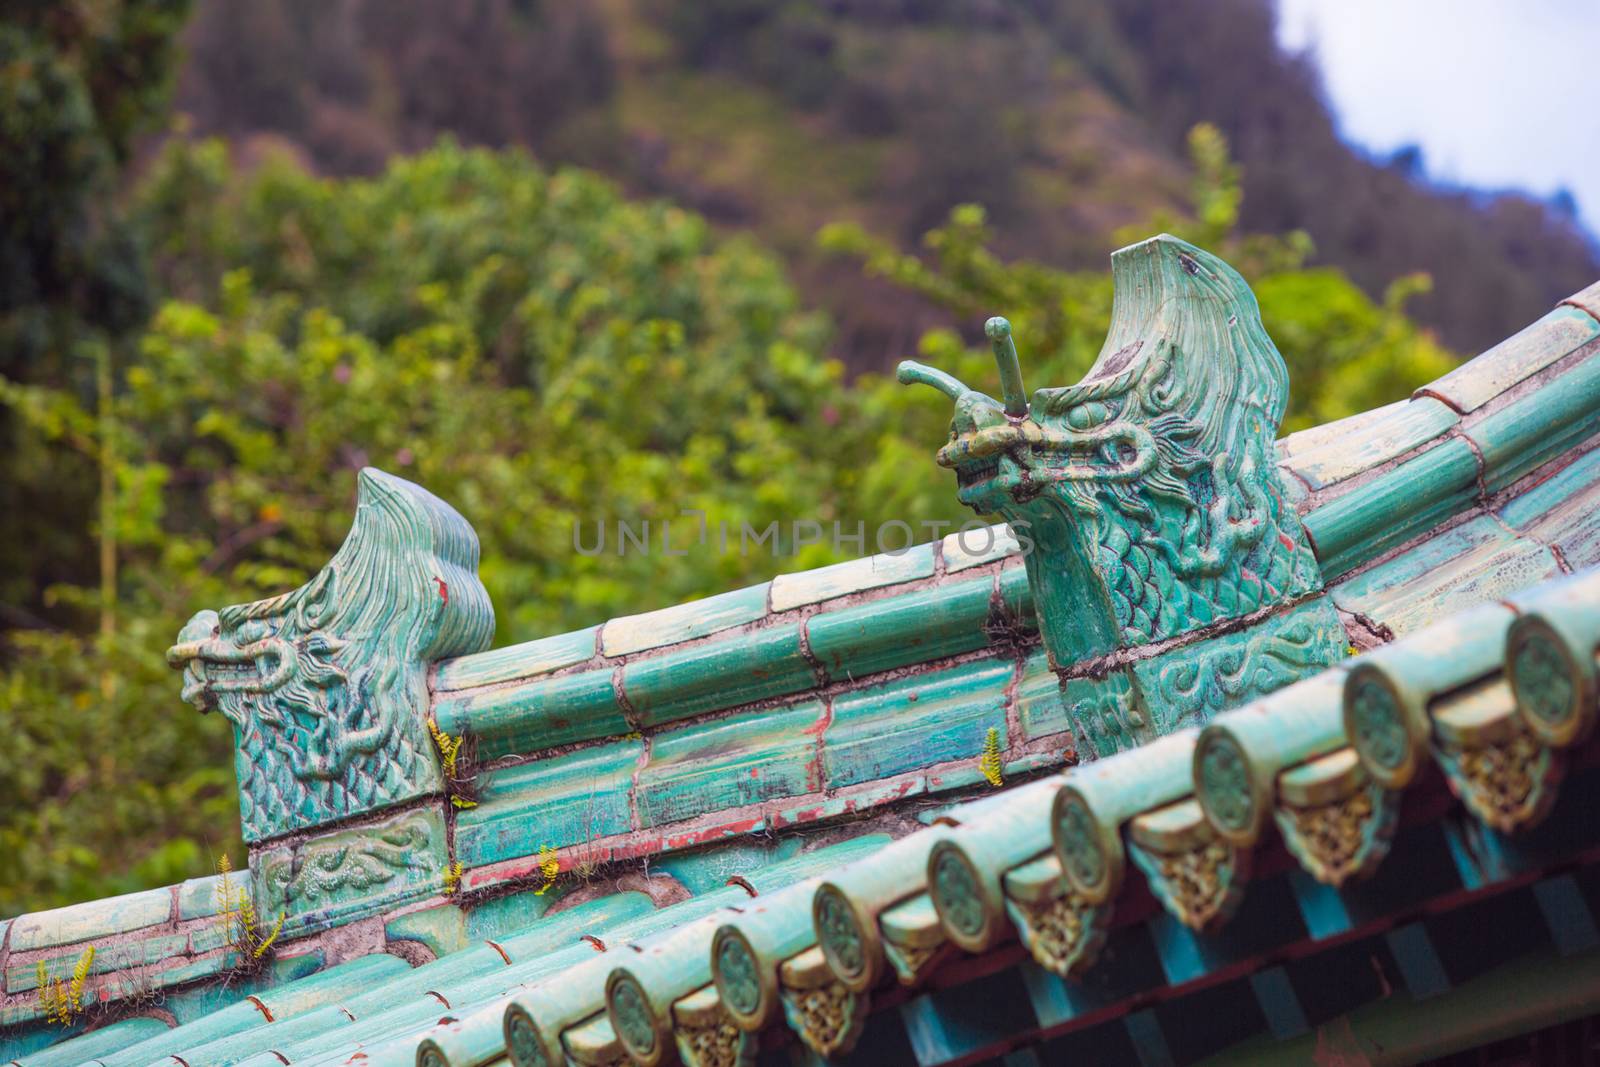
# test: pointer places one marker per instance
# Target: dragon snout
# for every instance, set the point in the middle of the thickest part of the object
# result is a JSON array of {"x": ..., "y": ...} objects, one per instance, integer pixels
[
  {"x": 212, "y": 664},
  {"x": 185, "y": 655},
  {"x": 202, "y": 627}
]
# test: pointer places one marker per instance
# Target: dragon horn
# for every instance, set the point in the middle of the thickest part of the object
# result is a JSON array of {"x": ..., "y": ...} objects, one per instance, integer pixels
[
  {"x": 1005, "y": 357},
  {"x": 911, "y": 372}
]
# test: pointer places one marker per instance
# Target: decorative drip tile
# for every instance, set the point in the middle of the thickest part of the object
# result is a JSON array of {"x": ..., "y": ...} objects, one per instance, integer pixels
[{"x": 1335, "y": 820}]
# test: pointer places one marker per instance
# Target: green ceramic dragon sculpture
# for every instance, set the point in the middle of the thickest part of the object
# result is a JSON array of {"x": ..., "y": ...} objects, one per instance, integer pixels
[
  {"x": 1148, "y": 490},
  {"x": 326, "y": 686}
]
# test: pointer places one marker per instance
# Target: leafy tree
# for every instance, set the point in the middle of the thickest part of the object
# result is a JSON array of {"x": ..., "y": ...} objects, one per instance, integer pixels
[{"x": 78, "y": 82}]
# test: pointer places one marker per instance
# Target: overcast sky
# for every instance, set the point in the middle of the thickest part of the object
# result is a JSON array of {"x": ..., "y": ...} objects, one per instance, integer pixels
[{"x": 1496, "y": 92}]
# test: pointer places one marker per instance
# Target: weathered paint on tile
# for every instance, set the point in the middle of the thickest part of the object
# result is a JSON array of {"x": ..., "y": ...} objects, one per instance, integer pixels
[
  {"x": 972, "y": 547},
  {"x": 712, "y": 766},
  {"x": 1094, "y": 711},
  {"x": 1587, "y": 299},
  {"x": 506, "y": 916},
  {"x": 205, "y": 936},
  {"x": 869, "y": 572},
  {"x": 1533, "y": 505},
  {"x": 1295, "y": 491},
  {"x": 220, "y": 1010},
  {"x": 442, "y": 930},
  {"x": 98, "y": 918},
  {"x": 196, "y": 1002},
  {"x": 113, "y": 956},
  {"x": 555, "y": 802},
  {"x": 18, "y": 1039},
  {"x": 1402, "y": 503},
  {"x": 718, "y": 674},
  {"x": 853, "y": 801},
  {"x": 1316, "y": 438},
  {"x": 536, "y": 714},
  {"x": 549, "y": 933},
  {"x": 1470, "y": 564},
  {"x": 1519, "y": 356},
  {"x": 682, "y": 622},
  {"x": 1401, "y": 428},
  {"x": 704, "y": 870},
  {"x": 1192, "y": 683},
  {"x": 197, "y": 967},
  {"x": 1520, "y": 436},
  {"x": 1039, "y": 706},
  {"x": 1572, "y": 483},
  {"x": 911, "y": 723},
  {"x": 197, "y": 898},
  {"x": 909, "y": 628},
  {"x": 517, "y": 661},
  {"x": 1016, "y": 594},
  {"x": 1563, "y": 511},
  {"x": 89, "y": 1047}
]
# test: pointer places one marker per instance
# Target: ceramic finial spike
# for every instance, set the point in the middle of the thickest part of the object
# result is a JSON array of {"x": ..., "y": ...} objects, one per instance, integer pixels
[{"x": 1005, "y": 357}]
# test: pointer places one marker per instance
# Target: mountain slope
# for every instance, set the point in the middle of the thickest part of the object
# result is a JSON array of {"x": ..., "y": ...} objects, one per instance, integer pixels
[{"x": 1066, "y": 119}]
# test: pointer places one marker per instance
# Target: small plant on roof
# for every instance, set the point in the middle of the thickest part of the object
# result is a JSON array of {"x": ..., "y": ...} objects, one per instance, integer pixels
[
  {"x": 989, "y": 762},
  {"x": 452, "y": 878},
  {"x": 549, "y": 867},
  {"x": 241, "y": 925},
  {"x": 455, "y": 753},
  {"x": 61, "y": 1000}
]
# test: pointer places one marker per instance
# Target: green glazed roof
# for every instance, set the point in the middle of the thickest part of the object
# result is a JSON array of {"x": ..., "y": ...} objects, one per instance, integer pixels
[
  {"x": 1491, "y": 678},
  {"x": 1454, "y": 532}
]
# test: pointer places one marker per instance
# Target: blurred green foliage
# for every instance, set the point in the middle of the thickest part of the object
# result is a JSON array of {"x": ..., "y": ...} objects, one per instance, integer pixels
[{"x": 541, "y": 351}]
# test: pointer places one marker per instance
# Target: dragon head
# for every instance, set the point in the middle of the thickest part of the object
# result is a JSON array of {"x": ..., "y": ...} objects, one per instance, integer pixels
[
  {"x": 1149, "y": 488},
  {"x": 326, "y": 686}
]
